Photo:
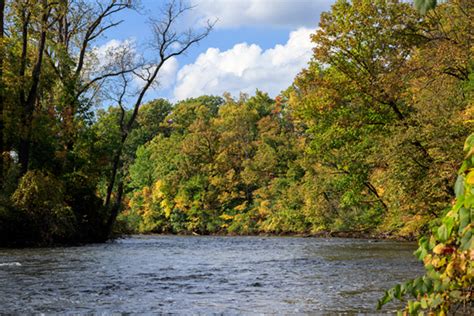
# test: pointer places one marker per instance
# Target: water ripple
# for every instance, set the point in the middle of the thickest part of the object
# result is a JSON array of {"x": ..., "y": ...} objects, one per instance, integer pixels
[{"x": 204, "y": 275}]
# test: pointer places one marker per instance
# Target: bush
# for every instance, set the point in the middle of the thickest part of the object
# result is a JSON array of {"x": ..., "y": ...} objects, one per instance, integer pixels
[
  {"x": 39, "y": 198},
  {"x": 448, "y": 255}
]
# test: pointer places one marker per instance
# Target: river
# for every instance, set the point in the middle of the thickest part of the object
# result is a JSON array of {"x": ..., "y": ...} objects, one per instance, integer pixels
[{"x": 205, "y": 275}]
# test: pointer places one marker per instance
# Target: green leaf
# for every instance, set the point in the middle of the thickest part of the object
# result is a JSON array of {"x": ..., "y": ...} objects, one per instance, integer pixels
[
  {"x": 420, "y": 253},
  {"x": 424, "y": 304},
  {"x": 432, "y": 242},
  {"x": 423, "y": 242},
  {"x": 437, "y": 285},
  {"x": 469, "y": 143},
  {"x": 459, "y": 186},
  {"x": 466, "y": 241},
  {"x": 385, "y": 299},
  {"x": 437, "y": 299},
  {"x": 455, "y": 294},
  {"x": 442, "y": 233},
  {"x": 449, "y": 223},
  {"x": 470, "y": 177},
  {"x": 433, "y": 275},
  {"x": 469, "y": 201},
  {"x": 418, "y": 286},
  {"x": 464, "y": 218},
  {"x": 413, "y": 307},
  {"x": 398, "y": 291}
]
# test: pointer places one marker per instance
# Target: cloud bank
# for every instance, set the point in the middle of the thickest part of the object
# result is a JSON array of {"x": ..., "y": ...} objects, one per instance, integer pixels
[{"x": 245, "y": 67}]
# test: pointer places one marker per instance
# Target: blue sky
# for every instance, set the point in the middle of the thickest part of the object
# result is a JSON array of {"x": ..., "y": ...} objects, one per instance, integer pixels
[{"x": 255, "y": 44}]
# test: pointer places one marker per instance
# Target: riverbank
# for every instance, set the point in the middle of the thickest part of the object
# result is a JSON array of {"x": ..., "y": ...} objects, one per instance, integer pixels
[
  {"x": 126, "y": 234},
  {"x": 322, "y": 234}
]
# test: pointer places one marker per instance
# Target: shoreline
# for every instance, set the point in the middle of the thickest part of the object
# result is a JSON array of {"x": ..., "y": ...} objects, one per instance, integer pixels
[{"x": 324, "y": 234}]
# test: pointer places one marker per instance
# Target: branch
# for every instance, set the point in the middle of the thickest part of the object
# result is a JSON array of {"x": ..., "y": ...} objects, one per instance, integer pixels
[
  {"x": 102, "y": 77},
  {"x": 93, "y": 31},
  {"x": 35, "y": 76},
  {"x": 164, "y": 36}
]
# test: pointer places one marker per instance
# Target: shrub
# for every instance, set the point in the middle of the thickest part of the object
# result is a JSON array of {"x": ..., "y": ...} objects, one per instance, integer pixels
[
  {"x": 40, "y": 199},
  {"x": 448, "y": 255}
]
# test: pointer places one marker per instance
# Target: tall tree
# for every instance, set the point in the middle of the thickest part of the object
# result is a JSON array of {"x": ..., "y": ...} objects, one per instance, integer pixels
[
  {"x": 29, "y": 95},
  {"x": 168, "y": 43},
  {"x": 79, "y": 25}
]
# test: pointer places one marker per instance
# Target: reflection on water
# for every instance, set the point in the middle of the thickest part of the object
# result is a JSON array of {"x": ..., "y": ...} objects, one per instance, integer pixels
[{"x": 231, "y": 275}]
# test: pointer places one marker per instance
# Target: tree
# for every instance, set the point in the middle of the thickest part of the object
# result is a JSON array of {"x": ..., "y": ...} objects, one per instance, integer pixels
[
  {"x": 168, "y": 43},
  {"x": 170, "y": 177},
  {"x": 447, "y": 254},
  {"x": 46, "y": 47},
  {"x": 49, "y": 81},
  {"x": 377, "y": 102}
]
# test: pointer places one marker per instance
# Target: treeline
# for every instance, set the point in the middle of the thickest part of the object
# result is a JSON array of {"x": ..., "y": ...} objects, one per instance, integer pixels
[
  {"x": 220, "y": 166},
  {"x": 368, "y": 139}
]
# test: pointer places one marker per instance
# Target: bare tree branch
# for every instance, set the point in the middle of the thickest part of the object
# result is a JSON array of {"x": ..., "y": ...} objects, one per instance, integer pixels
[
  {"x": 95, "y": 29},
  {"x": 168, "y": 43}
]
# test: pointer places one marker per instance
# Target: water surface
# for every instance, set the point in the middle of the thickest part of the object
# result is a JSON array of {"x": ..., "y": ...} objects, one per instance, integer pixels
[{"x": 206, "y": 275}]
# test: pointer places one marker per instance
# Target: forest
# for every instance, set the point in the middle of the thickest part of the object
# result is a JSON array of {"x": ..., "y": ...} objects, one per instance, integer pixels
[{"x": 367, "y": 140}]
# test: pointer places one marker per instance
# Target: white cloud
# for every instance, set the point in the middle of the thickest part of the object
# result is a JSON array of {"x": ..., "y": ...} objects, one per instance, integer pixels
[
  {"x": 106, "y": 55},
  {"x": 107, "y": 58},
  {"x": 167, "y": 75},
  {"x": 244, "y": 68},
  {"x": 103, "y": 58},
  {"x": 103, "y": 51},
  {"x": 277, "y": 13}
]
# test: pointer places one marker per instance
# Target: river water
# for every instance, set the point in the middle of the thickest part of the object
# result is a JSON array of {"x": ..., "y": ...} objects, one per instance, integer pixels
[{"x": 205, "y": 275}]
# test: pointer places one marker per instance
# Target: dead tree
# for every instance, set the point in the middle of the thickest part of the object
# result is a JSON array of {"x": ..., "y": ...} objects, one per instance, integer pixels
[{"x": 168, "y": 43}]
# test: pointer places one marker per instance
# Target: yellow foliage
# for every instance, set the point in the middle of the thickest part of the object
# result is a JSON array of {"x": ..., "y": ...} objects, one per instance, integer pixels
[
  {"x": 470, "y": 175},
  {"x": 227, "y": 217}
]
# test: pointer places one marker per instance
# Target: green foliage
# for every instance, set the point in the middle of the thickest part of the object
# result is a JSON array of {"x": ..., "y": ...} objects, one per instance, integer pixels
[
  {"x": 447, "y": 254},
  {"x": 383, "y": 116},
  {"x": 205, "y": 175},
  {"x": 40, "y": 197},
  {"x": 364, "y": 141}
]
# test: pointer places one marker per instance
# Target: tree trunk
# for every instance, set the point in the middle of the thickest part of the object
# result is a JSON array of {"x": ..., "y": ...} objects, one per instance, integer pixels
[
  {"x": 29, "y": 102},
  {"x": 114, "y": 211},
  {"x": 372, "y": 189},
  {"x": 113, "y": 176}
]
